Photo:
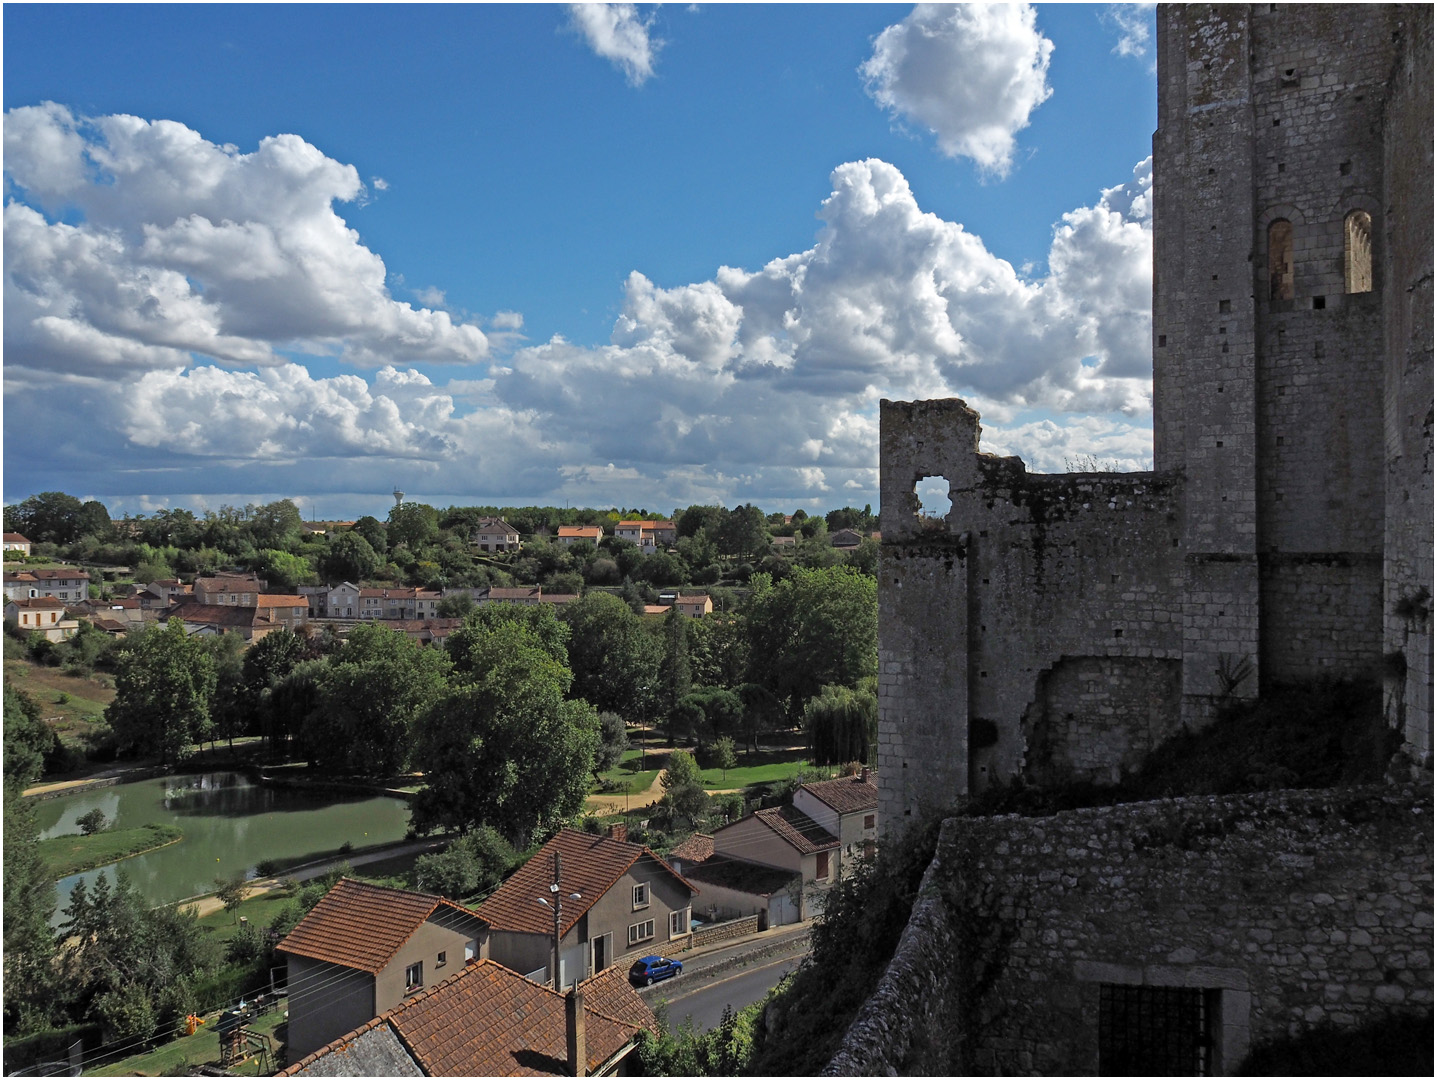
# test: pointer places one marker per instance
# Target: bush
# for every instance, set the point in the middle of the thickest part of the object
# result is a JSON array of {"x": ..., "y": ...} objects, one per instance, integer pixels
[
  {"x": 246, "y": 946},
  {"x": 92, "y": 822},
  {"x": 127, "y": 1014}
]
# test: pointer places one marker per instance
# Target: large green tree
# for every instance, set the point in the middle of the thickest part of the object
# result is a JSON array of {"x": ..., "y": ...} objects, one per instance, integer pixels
[
  {"x": 350, "y": 557},
  {"x": 505, "y": 748},
  {"x": 465, "y": 644},
  {"x": 842, "y": 725},
  {"x": 164, "y": 680},
  {"x": 413, "y": 524},
  {"x": 368, "y": 699},
  {"x": 817, "y": 628},
  {"x": 50, "y": 517},
  {"x": 615, "y": 661},
  {"x": 29, "y": 898}
]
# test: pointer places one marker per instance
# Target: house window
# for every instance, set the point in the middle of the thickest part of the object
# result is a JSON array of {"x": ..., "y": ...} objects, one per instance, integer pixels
[
  {"x": 1154, "y": 1031},
  {"x": 678, "y": 922},
  {"x": 441, "y": 959},
  {"x": 641, "y": 931},
  {"x": 822, "y": 872},
  {"x": 471, "y": 949},
  {"x": 414, "y": 976},
  {"x": 870, "y": 821},
  {"x": 641, "y": 896}
]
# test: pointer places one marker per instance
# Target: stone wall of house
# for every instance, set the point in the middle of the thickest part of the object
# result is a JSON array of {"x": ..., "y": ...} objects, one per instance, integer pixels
[
  {"x": 724, "y": 931},
  {"x": 1289, "y": 909},
  {"x": 1407, "y": 321}
]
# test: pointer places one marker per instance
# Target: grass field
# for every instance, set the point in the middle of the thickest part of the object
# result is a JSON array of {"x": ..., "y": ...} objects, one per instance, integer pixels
[
  {"x": 66, "y": 855},
  {"x": 203, "y": 1047},
  {"x": 85, "y": 695}
]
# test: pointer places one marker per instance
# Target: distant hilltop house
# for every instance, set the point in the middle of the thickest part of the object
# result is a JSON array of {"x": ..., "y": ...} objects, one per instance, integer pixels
[
  {"x": 17, "y": 543},
  {"x": 649, "y": 535},
  {"x": 696, "y": 606},
  {"x": 572, "y": 534},
  {"x": 495, "y": 534}
]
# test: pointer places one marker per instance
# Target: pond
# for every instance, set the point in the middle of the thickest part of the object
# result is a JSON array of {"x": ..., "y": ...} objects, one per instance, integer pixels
[{"x": 230, "y": 824}]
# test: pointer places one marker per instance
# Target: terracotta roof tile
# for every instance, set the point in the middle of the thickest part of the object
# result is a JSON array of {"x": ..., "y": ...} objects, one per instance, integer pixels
[
  {"x": 362, "y": 926},
  {"x": 797, "y": 829},
  {"x": 609, "y": 993},
  {"x": 271, "y": 600},
  {"x": 46, "y": 602},
  {"x": 591, "y": 865},
  {"x": 847, "y": 794},
  {"x": 695, "y": 849}
]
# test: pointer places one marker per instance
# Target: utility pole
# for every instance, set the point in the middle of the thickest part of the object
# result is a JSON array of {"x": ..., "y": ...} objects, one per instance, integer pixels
[{"x": 558, "y": 905}]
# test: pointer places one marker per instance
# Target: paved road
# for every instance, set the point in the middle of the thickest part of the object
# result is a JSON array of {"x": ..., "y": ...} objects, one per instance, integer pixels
[{"x": 703, "y": 997}]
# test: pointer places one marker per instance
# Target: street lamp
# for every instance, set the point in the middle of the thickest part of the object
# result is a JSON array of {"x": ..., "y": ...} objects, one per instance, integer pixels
[{"x": 557, "y": 906}]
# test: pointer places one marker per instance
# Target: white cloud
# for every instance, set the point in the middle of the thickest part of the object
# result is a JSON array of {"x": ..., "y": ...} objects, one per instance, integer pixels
[
  {"x": 970, "y": 73},
  {"x": 617, "y": 33},
  {"x": 186, "y": 247},
  {"x": 1131, "y": 22}
]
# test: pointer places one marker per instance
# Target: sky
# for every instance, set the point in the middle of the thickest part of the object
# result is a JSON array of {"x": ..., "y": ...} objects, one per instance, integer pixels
[{"x": 596, "y": 255}]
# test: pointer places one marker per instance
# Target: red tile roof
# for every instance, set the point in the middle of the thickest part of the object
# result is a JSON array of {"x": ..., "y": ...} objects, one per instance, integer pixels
[
  {"x": 590, "y": 867},
  {"x": 273, "y": 600},
  {"x": 15, "y": 538},
  {"x": 362, "y": 926},
  {"x": 797, "y": 829},
  {"x": 847, "y": 794},
  {"x": 59, "y": 572},
  {"x": 489, "y": 1021},
  {"x": 695, "y": 849},
  {"x": 609, "y": 992},
  {"x": 38, "y": 602}
]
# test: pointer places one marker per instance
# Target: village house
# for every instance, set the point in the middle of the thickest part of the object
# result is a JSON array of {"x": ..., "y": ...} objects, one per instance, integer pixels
[
  {"x": 847, "y": 808},
  {"x": 696, "y": 606},
  {"x": 495, "y": 534},
  {"x": 233, "y": 590},
  {"x": 43, "y": 615},
  {"x": 785, "y": 838},
  {"x": 61, "y": 582},
  {"x": 165, "y": 591},
  {"x": 343, "y": 601},
  {"x": 629, "y": 901},
  {"x": 17, "y": 543},
  {"x": 399, "y": 603},
  {"x": 524, "y": 595},
  {"x": 572, "y": 534},
  {"x": 363, "y": 949},
  {"x": 489, "y": 1021},
  {"x": 291, "y": 612}
]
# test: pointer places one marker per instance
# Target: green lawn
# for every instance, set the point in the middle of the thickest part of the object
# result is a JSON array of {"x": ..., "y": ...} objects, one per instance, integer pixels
[
  {"x": 761, "y": 768},
  {"x": 203, "y": 1047},
  {"x": 66, "y": 855},
  {"x": 622, "y": 773}
]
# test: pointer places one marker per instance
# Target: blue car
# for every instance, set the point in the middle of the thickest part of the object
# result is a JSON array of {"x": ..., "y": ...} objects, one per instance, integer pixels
[{"x": 650, "y": 969}]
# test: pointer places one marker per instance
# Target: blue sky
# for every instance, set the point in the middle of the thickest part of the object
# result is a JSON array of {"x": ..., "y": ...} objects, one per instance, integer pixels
[{"x": 479, "y": 252}]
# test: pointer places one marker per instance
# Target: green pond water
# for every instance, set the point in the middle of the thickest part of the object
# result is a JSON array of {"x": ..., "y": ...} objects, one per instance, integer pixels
[{"x": 230, "y": 824}]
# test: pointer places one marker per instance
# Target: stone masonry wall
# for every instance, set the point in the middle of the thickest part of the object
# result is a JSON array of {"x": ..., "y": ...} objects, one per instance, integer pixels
[
  {"x": 1408, "y": 331},
  {"x": 1292, "y": 909}
]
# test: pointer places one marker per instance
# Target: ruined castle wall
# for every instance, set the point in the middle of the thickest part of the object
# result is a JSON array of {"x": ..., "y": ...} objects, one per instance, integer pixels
[
  {"x": 1068, "y": 573},
  {"x": 1288, "y": 910},
  {"x": 1408, "y": 330}
]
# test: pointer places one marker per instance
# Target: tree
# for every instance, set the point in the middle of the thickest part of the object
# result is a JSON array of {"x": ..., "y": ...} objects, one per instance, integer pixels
[
  {"x": 457, "y": 606},
  {"x": 613, "y": 741},
  {"x": 467, "y": 644},
  {"x": 368, "y": 699},
  {"x": 614, "y": 660},
  {"x": 505, "y": 748},
  {"x": 231, "y": 893},
  {"x": 817, "y": 628},
  {"x": 29, "y": 898},
  {"x": 743, "y": 533},
  {"x": 92, "y": 822},
  {"x": 842, "y": 725},
  {"x": 699, "y": 519},
  {"x": 266, "y": 663},
  {"x": 413, "y": 524},
  {"x": 683, "y": 786},
  {"x": 675, "y": 680},
  {"x": 724, "y": 757},
  {"x": 474, "y": 863},
  {"x": 373, "y": 531},
  {"x": 28, "y": 739},
  {"x": 350, "y": 557},
  {"x": 722, "y": 710},
  {"x": 164, "y": 681},
  {"x": 52, "y": 517},
  {"x": 274, "y": 525}
]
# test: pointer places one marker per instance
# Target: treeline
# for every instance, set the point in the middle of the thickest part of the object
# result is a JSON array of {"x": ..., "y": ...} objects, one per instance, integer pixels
[{"x": 420, "y": 545}]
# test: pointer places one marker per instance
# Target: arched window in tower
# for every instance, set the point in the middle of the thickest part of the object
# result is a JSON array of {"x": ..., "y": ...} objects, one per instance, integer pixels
[
  {"x": 1357, "y": 252},
  {"x": 1279, "y": 259}
]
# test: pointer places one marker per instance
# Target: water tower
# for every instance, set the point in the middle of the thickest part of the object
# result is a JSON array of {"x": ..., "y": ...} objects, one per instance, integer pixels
[{"x": 398, "y": 497}]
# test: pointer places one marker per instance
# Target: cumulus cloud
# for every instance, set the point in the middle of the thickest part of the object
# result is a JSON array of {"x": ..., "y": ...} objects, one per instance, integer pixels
[
  {"x": 617, "y": 33},
  {"x": 970, "y": 73},
  {"x": 756, "y": 384},
  {"x": 138, "y": 245}
]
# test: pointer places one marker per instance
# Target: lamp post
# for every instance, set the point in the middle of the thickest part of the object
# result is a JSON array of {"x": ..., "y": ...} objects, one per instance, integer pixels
[{"x": 558, "y": 907}]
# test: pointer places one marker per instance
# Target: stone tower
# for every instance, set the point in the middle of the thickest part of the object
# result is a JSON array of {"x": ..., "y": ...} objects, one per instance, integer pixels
[{"x": 1063, "y": 625}]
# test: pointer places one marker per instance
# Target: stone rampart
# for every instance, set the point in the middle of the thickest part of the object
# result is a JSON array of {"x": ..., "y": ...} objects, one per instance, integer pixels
[{"x": 1278, "y": 912}]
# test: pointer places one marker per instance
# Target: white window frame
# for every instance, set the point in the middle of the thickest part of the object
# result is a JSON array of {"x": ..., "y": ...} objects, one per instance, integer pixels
[
  {"x": 640, "y": 895},
  {"x": 678, "y": 923},
  {"x": 414, "y": 976},
  {"x": 641, "y": 931}
]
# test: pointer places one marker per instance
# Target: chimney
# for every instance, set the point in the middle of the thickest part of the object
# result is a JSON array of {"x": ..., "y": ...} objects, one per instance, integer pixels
[
  {"x": 619, "y": 832},
  {"x": 574, "y": 1030},
  {"x": 863, "y": 776}
]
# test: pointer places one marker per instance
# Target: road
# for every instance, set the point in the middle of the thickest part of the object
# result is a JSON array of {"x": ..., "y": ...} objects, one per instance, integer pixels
[{"x": 702, "y": 996}]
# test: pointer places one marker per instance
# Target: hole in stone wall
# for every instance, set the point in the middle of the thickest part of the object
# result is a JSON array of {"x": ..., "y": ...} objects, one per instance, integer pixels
[
  {"x": 1281, "y": 167},
  {"x": 1224, "y": 306},
  {"x": 1345, "y": 168},
  {"x": 1162, "y": 341},
  {"x": 1319, "y": 302},
  {"x": 933, "y": 500}
]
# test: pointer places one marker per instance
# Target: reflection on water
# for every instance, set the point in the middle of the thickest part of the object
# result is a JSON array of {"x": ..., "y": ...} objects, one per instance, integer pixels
[{"x": 230, "y": 824}]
